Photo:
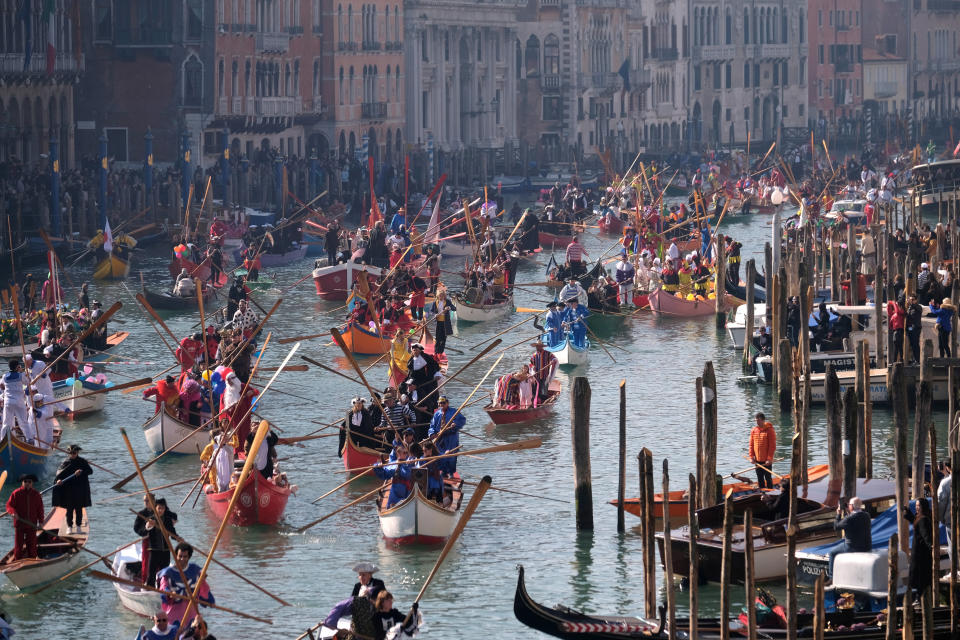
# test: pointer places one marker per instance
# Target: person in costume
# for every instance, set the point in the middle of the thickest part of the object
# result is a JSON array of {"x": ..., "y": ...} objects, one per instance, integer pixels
[
  {"x": 25, "y": 504},
  {"x": 72, "y": 490},
  {"x": 170, "y": 579}
]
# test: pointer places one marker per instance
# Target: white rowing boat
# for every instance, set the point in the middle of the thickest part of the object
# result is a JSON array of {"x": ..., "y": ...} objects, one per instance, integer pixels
[
  {"x": 570, "y": 354},
  {"x": 78, "y": 406},
  {"x": 140, "y": 601},
  {"x": 417, "y": 519},
  {"x": 59, "y": 553},
  {"x": 470, "y": 312},
  {"x": 164, "y": 430}
]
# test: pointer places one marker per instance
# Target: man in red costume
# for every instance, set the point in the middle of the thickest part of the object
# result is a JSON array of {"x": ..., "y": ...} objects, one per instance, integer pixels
[
  {"x": 165, "y": 392},
  {"x": 190, "y": 349},
  {"x": 26, "y": 505}
]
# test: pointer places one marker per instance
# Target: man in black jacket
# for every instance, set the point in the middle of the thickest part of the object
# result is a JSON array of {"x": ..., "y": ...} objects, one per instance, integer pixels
[
  {"x": 914, "y": 325},
  {"x": 856, "y": 529},
  {"x": 155, "y": 555}
]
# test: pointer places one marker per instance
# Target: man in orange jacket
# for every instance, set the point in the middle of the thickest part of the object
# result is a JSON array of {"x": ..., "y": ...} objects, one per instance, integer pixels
[{"x": 763, "y": 446}]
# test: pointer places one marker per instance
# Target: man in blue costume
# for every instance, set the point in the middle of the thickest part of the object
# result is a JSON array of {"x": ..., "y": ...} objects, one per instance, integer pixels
[
  {"x": 573, "y": 320},
  {"x": 400, "y": 474},
  {"x": 553, "y": 325},
  {"x": 445, "y": 431}
]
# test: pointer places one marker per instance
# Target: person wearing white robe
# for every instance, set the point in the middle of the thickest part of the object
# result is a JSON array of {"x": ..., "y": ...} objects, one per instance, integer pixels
[
  {"x": 41, "y": 381},
  {"x": 41, "y": 422},
  {"x": 224, "y": 462},
  {"x": 231, "y": 394},
  {"x": 525, "y": 391},
  {"x": 14, "y": 402}
]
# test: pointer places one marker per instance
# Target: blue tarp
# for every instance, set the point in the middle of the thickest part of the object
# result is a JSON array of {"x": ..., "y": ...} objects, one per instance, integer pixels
[{"x": 881, "y": 528}]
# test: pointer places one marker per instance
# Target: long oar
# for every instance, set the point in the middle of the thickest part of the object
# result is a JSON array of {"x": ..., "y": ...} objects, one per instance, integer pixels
[
  {"x": 519, "y": 493},
  {"x": 531, "y": 443},
  {"x": 152, "y": 325},
  {"x": 203, "y": 321},
  {"x": 439, "y": 434},
  {"x": 356, "y": 367},
  {"x": 510, "y": 328},
  {"x": 146, "y": 305},
  {"x": 100, "y": 575},
  {"x": 152, "y": 490},
  {"x": 150, "y": 462},
  {"x": 335, "y": 512},
  {"x": 83, "y": 568},
  {"x": 330, "y": 369},
  {"x": 599, "y": 341},
  {"x": 486, "y": 350},
  {"x": 125, "y": 385},
  {"x": 475, "y": 499},
  {"x": 262, "y": 431},
  {"x": 228, "y": 569}
]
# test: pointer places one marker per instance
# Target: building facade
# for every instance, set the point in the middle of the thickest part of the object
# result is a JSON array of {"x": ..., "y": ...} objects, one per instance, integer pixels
[
  {"x": 934, "y": 59},
  {"x": 836, "y": 55},
  {"x": 749, "y": 70},
  {"x": 37, "y": 94}
]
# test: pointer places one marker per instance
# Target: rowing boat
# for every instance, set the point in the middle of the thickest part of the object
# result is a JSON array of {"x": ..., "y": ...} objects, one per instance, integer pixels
[
  {"x": 605, "y": 323},
  {"x": 18, "y": 457},
  {"x": 554, "y": 239},
  {"x": 141, "y": 601},
  {"x": 164, "y": 430},
  {"x": 59, "y": 553},
  {"x": 201, "y": 271},
  {"x": 677, "y": 500},
  {"x": 471, "y": 312},
  {"x": 335, "y": 282},
  {"x": 63, "y": 395},
  {"x": 261, "y": 502},
  {"x": 665, "y": 303},
  {"x": 417, "y": 519},
  {"x": 364, "y": 341},
  {"x": 355, "y": 456},
  {"x": 513, "y": 414},
  {"x": 569, "y": 354},
  {"x": 113, "y": 340},
  {"x": 611, "y": 225},
  {"x": 170, "y": 302},
  {"x": 294, "y": 254},
  {"x": 262, "y": 283}
]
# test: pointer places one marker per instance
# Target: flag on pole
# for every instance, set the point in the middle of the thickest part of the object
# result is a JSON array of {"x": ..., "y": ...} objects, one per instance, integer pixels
[
  {"x": 432, "y": 234},
  {"x": 107, "y": 238},
  {"x": 49, "y": 7}
]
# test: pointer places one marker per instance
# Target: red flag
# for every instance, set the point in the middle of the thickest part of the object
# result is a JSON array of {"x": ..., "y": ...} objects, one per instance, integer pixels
[
  {"x": 375, "y": 215},
  {"x": 957, "y": 149}
]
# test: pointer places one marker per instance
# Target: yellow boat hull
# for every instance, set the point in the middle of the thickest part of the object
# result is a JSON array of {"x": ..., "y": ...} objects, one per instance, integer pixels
[{"x": 112, "y": 268}]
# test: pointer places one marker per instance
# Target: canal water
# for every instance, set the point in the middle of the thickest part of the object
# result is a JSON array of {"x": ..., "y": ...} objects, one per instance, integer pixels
[{"x": 472, "y": 596}]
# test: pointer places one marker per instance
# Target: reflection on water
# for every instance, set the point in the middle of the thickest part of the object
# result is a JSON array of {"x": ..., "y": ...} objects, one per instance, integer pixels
[{"x": 580, "y": 581}]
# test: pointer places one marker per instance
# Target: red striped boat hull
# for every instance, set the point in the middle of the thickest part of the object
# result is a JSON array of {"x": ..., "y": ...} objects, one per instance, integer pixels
[{"x": 260, "y": 502}]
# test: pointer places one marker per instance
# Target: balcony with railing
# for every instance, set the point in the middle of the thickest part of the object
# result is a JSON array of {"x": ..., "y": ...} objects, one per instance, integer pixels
[
  {"x": 715, "y": 52},
  {"x": 276, "y": 106},
  {"x": 550, "y": 82},
  {"x": 373, "y": 110},
  {"x": 370, "y": 45},
  {"x": 664, "y": 54},
  {"x": 12, "y": 63},
  {"x": 641, "y": 78},
  {"x": 599, "y": 80},
  {"x": 771, "y": 51},
  {"x": 273, "y": 42}
]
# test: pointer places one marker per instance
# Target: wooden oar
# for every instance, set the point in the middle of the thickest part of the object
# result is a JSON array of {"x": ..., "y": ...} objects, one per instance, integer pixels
[
  {"x": 125, "y": 385},
  {"x": 146, "y": 305},
  {"x": 486, "y": 350},
  {"x": 3, "y": 478},
  {"x": 335, "y": 512},
  {"x": 262, "y": 431},
  {"x": 529, "y": 310},
  {"x": 92, "y": 464},
  {"x": 285, "y": 291},
  {"x": 152, "y": 325},
  {"x": 100, "y": 575},
  {"x": 152, "y": 490},
  {"x": 475, "y": 499},
  {"x": 531, "y": 443},
  {"x": 330, "y": 369},
  {"x": 599, "y": 341},
  {"x": 156, "y": 377},
  {"x": 198, "y": 284},
  {"x": 439, "y": 434},
  {"x": 228, "y": 569},
  {"x": 356, "y": 367},
  {"x": 519, "y": 493},
  {"x": 510, "y": 328},
  {"x": 83, "y": 568}
]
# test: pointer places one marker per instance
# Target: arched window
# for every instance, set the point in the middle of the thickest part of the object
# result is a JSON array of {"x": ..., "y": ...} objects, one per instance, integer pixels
[
  {"x": 728, "y": 27},
  {"x": 316, "y": 77},
  {"x": 340, "y": 25},
  {"x": 234, "y": 73},
  {"x": 784, "y": 28},
  {"x": 246, "y": 78},
  {"x": 532, "y": 56},
  {"x": 349, "y": 24},
  {"x": 192, "y": 81},
  {"x": 287, "y": 88},
  {"x": 296, "y": 78},
  {"x": 340, "y": 86},
  {"x": 220, "y": 78},
  {"x": 351, "y": 86},
  {"x": 396, "y": 74},
  {"x": 746, "y": 26}
]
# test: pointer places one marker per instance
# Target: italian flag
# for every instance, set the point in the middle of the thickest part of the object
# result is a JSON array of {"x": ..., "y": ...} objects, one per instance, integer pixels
[{"x": 48, "y": 10}]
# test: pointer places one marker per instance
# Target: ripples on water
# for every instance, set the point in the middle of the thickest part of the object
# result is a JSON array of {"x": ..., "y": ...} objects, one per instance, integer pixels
[{"x": 473, "y": 592}]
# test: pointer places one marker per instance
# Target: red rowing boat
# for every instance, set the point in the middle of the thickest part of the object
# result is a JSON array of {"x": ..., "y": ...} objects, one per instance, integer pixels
[
  {"x": 260, "y": 502},
  {"x": 513, "y": 414},
  {"x": 195, "y": 270},
  {"x": 553, "y": 239},
  {"x": 610, "y": 224},
  {"x": 355, "y": 457}
]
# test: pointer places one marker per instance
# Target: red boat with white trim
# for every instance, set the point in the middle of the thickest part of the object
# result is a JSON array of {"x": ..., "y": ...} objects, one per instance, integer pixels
[
  {"x": 261, "y": 502},
  {"x": 665, "y": 303},
  {"x": 417, "y": 519},
  {"x": 513, "y": 414},
  {"x": 355, "y": 456},
  {"x": 554, "y": 239},
  {"x": 335, "y": 282},
  {"x": 611, "y": 225}
]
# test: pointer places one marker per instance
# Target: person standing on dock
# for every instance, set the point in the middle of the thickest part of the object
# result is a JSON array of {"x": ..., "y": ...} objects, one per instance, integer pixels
[
  {"x": 914, "y": 326},
  {"x": 856, "y": 529},
  {"x": 944, "y": 313},
  {"x": 763, "y": 446},
  {"x": 896, "y": 315}
]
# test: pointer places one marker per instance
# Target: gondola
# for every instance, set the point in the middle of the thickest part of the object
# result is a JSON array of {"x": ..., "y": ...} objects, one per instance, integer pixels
[
  {"x": 261, "y": 502},
  {"x": 570, "y": 354},
  {"x": 416, "y": 519},
  {"x": 665, "y": 303},
  {"x": 170, "y": 302},
  {"x": 18, "y": 457},
  {"x": 335, "y": 282},
  {"x": 570, "y": 624},
  {"x": 112, "y": 267},
  {"x": 515, "y": 414},
  {"x": 355, "y": 457},
  {"x": 59, "y": 553},
  {"x": 604, "y": 323},
  {"x": 164, "y": 430},
  {"x": 198, "y": 271}
]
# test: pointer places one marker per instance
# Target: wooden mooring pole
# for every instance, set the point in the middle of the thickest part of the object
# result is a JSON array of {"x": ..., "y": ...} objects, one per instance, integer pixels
[
  {"x": 708, "y": 461},
  {"x": 621, "y": 486},
  {"x": 694, "y": 532},
  {"x": 668, "y": 559},
  {"x": 580, "y": 429}
]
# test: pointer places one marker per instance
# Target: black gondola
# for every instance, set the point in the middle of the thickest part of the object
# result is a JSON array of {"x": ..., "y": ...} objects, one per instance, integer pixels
[{"x": 170, "y": 302}]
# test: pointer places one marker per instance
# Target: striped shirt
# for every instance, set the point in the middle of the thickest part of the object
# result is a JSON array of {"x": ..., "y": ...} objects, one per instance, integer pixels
[
  {"x": 575, "y": 252},
  {"x": 399, "y": 415}
]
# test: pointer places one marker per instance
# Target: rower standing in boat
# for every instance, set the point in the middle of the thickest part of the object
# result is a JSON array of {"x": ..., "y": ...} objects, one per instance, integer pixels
[
  {"x": 266, "y": 455},
  {"x": 365, "y": 580},
  {"x": 14, "y": 402},
  {"x": 40, "y": 379},
  {"x": 543, "y": 365},
  {"x": 575, "y": 289},
  {"x": 763, "y": 446},
  {"x": 154, "y": 552},
  {"x": 72, "y": 490},
  {"x": 574, "y": 256},
  {"x": 573, "y": 320},
  {"x": 400, "y": 475},
  {"x": 732, "y": 252},
  {"x": 41, "y": 421},
  {"x": 553, "y": 321},
  {"x": 169, "y": 579},
  {"x": 238, "y": 291},
  {"x": 445, "y": 431},
  {"x": 25, "y": 504},
  {"x": 624, "y": 275},
  {"x": 364, "y": 621},
  {"x": 359, "y": 425},
  {"x": 424, "y": 371},
  {"x": 440, "y": 310},
  {"x": 393, "y": 619}
]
